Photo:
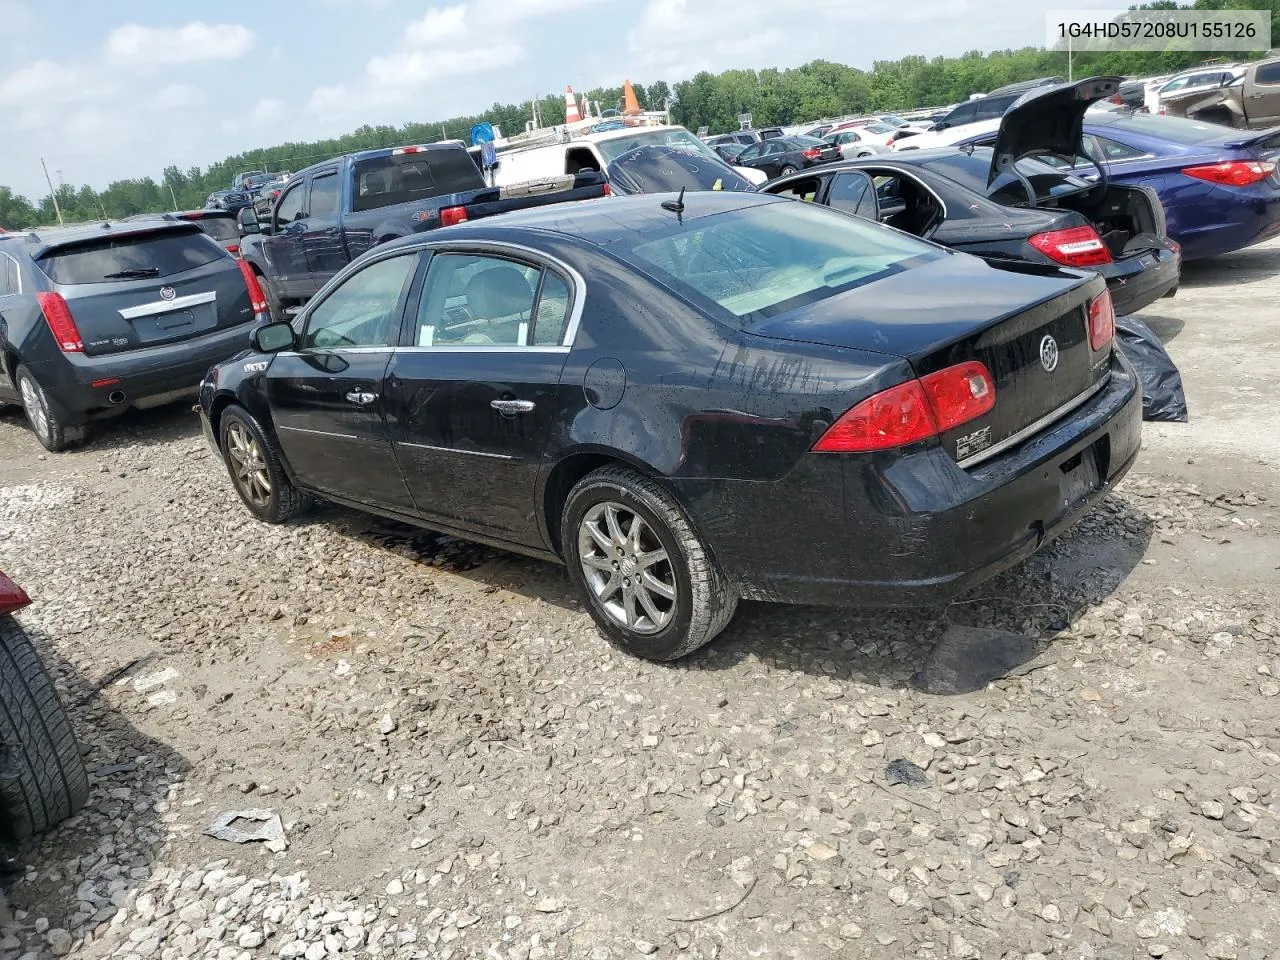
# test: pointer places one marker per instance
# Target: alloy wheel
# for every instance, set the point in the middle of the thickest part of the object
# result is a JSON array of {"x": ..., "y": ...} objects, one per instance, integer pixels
[
  {"x": 35, "y": 408},
  {"x": 627, "y": 568},
  {"x": 248, "y": 465}
]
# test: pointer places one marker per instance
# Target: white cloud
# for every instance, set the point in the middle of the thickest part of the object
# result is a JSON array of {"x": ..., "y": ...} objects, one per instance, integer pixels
[
  {"x": 413, "y": 69},
  {"x": 265, "y": 109},
  {"x": 136, "y": 45},
  {"x": 45, "y": 81},
  {"x": 440, "y": 25},
  {"x": 174, "y": 96}
]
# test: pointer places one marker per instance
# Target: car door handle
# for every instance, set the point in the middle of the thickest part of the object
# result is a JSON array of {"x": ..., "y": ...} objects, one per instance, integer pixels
[
  {"x": 361, "y": 398},
  {"x": 512, "y": 406}
]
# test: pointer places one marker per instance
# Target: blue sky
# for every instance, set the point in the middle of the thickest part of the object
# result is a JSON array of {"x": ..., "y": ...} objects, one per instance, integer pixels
[{"x": 105, "y": 90}]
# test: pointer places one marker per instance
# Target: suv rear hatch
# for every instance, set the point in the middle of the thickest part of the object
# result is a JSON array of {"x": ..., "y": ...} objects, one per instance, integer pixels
[
  {"x": 144, "y": 288},
  {"x": 1002, "y": 315}
]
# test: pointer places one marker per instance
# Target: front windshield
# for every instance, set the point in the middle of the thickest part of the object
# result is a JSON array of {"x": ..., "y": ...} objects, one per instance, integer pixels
[
  {"x": 667, "y": 169},
  {"x": 680, "y": 139}
]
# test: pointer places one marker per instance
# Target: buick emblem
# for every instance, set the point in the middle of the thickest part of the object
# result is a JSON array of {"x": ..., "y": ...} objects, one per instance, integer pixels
[
  {"x": 1049, "y": 354},
  {"x": 168, "y": 293}
]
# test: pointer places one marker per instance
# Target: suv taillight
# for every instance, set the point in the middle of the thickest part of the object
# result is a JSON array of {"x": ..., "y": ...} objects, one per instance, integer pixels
[
  {"x": 1102, "y": 321},
  {"x": 58, "y": 316},
  {"x": 256, "y": 296},
  {"x": 1233, "y": 173},
  {"x": 451, "y": 215},
  {"x": 913, "y": 411},
  {"x": 1075, "y": 246}
]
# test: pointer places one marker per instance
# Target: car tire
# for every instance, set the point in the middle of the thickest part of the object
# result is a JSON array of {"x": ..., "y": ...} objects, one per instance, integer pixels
[
  {"x": 42, "y": 776},
  {"x": 786, "y": 171},
  {"x": 54, "y": 434},
  {"x": 702, "y": 601},
  {"x": 275, "y": 306},
  {"x": 253, "y": 463}
]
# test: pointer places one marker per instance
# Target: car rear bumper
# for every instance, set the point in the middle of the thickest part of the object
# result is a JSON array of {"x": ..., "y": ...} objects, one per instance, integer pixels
[
  {"x": 1138, "y": 281},
  {"x": 145, "y": 377},
  {"x": 915, "y": 529},
  {"x": 1225, "y": 219}
]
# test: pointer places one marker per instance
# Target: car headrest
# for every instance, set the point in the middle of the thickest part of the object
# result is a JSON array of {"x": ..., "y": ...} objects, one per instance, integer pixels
[{"x": 499, "y": 292}]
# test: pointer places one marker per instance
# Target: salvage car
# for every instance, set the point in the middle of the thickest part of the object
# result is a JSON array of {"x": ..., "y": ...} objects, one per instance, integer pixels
[
  {"x": 1220, "y": 188},
  {"x": 779, "y": 156},
  {"x": 42, "y": 777},
  {"x": 101, "y": 318},
  {"x": 1001, "y": 202},
  {"x": 693, "y": 398},
  {"x": 219, "y": 224}
]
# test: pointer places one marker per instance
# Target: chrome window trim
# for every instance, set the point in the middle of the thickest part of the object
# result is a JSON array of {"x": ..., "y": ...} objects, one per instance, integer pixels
[
  {"x": 165, "y": 306},
  {"x": 472, "y": 453},
  {"x": 1033, "y": 428}
]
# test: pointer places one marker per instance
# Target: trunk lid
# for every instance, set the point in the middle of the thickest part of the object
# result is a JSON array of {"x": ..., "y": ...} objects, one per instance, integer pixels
[
  {"x": 1047, "y": 120},
  {"x": 1026, "y": 323},
  {"x": 143, "y": 289}
]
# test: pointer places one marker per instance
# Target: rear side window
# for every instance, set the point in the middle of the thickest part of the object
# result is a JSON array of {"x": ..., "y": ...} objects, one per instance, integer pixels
[
  {"x": 113, "y": 259},
  {"x": 767, "y": 260},
  {"x": 391, "y": 180}
]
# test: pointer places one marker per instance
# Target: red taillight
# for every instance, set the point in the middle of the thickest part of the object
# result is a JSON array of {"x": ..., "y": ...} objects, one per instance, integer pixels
[
  {"x": 959, "y": 394},
  {"x": 256, "y": 296},
  {"x": 912, "y": 411},
  {"x": 104, "y": 382},
  {"x": 813, "y": 153},
  {"x": 233, "y": 250},
  {"x": 608, "y": 190},
  {"x": 58, "y": 315},
  {"x": 451, "y": 215},
  {"x": 1232, "y": 173},
  {"x": 1102, "y": 321},
  {"x": 12, "y": 596},
  {"x": 401, "y": 151},
  {"x": 1075, "y": 246}
]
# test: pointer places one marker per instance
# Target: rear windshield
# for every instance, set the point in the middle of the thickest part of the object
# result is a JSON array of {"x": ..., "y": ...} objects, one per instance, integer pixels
[
  {"x": 220, "y": 228},
  {"x": 1174, "y": 129},
  {"x": 410, "y": 177},
  {"x": 971, "y": 170},
  {"x": 136, "y": 257},
  {"x": 654, "y": 169},
  {"x": 753, "y": 264}
]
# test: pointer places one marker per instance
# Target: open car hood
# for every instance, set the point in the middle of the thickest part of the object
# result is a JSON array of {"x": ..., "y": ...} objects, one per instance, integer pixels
[{"x": 1047, "y": 120}]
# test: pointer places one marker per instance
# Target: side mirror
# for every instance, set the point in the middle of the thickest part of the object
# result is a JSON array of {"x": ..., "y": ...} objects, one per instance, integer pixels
[
  {"x": 247, "y": 221},
  {"x": 272, "y": 337}
]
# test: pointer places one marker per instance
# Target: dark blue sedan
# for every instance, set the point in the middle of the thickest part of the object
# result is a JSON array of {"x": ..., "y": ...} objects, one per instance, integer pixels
[{"x": 1220, "y": 187}]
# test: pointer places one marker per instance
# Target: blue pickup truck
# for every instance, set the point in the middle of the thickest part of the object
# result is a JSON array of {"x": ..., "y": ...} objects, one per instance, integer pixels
[{"x": 334, "y": 211}]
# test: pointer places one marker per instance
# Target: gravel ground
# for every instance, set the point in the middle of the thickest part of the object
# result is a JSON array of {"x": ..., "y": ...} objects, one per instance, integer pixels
[{"x": 1081, "y": 760}]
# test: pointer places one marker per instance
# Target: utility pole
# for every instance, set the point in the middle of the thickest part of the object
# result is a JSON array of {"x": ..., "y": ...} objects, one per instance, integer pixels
[
  {"x": 169, "y": 184},
  {"x": 52, "y": 193}
]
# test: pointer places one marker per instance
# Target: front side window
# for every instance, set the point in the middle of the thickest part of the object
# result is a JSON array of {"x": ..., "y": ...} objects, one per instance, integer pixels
[
  {"x": 1268, "y": 73},
  {"x": 766, "y": 260},
  {"x": 477, "y": 300},
  {"x": 364, "y": 309},
  {"x": 751, "y": 153},
  {"x": 324, "y": 196},
  {"x": 291, "y": 204}
]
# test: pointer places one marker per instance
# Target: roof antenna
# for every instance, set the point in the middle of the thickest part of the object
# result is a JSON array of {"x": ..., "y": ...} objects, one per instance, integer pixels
[{"x": 676, "y": 205}]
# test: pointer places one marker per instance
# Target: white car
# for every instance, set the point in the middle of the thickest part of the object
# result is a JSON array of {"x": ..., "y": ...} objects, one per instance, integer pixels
[
  {"x": 870, "y": 129},
  {"x": 949, "y": 136},
  {"x": 1201, "y": 78},
  {"x": 854, "y": 143}
]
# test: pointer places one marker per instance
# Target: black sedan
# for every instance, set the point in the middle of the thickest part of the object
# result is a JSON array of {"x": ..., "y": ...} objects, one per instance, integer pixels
[
  {"x": 1002, "y": 203},
  {"x": 781, "y": 156},
  {"x": 690, "y": 400}
]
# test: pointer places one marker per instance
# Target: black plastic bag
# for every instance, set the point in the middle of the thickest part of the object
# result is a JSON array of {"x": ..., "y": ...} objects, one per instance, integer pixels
[{"x": 1162, "y": 395}]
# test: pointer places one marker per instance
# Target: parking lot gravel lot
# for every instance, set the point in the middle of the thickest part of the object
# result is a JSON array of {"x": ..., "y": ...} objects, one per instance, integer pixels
[{"x": 1080, "y": 760}]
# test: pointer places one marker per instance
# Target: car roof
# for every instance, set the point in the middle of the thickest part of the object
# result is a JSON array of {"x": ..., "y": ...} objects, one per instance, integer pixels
[
  {"x": 41, "y": 240},
  {"x": 600, "y": 221}
]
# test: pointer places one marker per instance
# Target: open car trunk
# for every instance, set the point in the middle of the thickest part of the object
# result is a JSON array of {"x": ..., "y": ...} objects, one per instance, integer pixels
[{"x": 1130, "y": 220}]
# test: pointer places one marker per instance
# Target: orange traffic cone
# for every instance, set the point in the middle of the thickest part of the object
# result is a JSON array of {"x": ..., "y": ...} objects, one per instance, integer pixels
[
  {"x": 571, "y": 112},
  {"x": 630, "y": 105}
]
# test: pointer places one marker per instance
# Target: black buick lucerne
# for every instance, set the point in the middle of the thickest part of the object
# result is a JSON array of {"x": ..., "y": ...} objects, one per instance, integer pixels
[{"x": 691, "y": 400}]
